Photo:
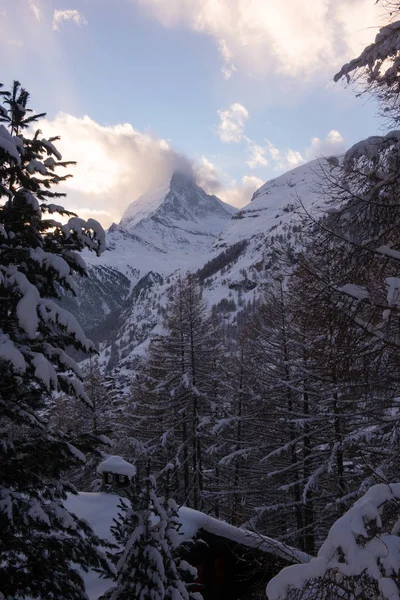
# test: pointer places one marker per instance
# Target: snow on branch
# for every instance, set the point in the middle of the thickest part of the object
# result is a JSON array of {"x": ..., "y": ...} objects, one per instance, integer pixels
[
  {"x": 354, "y": 291},
  {"x": 373, "y": 57},
  {"x": 27, "y": 306},
  {"x": 11, "y": 354},
  {"x": 88, "y": 233},
  {"x": 373, "y": 149},
  {"x": 361, "y": 551},
  {"x": 9, "y": 145},
  {"x": 51, "y": 312},
  {"x": 116, "y": 464}
]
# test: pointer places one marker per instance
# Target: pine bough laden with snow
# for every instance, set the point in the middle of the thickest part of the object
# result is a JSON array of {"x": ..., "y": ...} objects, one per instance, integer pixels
[
  {"x": 39, "y": 539},
  {"x": 359, "y": 559},
  {"x": 378, "y": 66},
  {"x": 147, "y": 566}
]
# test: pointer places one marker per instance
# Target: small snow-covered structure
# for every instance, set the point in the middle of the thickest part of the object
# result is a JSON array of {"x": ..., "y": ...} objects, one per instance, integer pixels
[
  {"x": 116, "y": 472},
  {"x": 232, "y": 563}
]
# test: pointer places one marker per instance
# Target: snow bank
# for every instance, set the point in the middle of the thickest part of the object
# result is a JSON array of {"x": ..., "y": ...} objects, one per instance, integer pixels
[{"x": 98, "y": 510}]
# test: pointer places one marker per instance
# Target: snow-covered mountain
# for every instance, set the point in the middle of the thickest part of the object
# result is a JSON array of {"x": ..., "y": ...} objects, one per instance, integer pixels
[
  {"x": 171, "y": 227},
  {"x": 234, "y": 268},
  {"x": 274, "y": 220}
]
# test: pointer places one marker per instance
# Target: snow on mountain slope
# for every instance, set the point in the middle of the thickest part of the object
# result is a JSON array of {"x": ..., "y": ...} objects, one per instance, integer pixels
[
  {"x": 182, "y": 204},
  {"x": 181, "y": 221},
  {"x": 171, "y": 226},
  {"x": 168, "y": 228},
  {"x": 273, "y": 204},
  {"x": 276, "y": 216},
  {"x": 237, "y": 267}
]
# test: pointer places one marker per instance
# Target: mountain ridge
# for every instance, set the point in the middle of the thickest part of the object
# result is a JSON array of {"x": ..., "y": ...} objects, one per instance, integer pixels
[
  {"x": 175, "y": 230},
  {"x": 241, "y": 261}
]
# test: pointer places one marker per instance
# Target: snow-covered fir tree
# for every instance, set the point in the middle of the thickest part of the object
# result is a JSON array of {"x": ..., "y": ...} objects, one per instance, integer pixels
[
  {"x": 175, "y": 393},
  {"x": 359, "y": 558},
  {"x": 235, "y": 434},
  {"x": 41, "y": 543},
  {"x": 148, "y": 532}
]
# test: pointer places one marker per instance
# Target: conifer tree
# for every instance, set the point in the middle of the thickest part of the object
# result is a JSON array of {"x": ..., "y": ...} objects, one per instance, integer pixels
[
  {"x": 235, "y": 436},
  {"x": 148, "y": 533},
  {"x": 284, "y": 420},
  {"x": 41, "y": 543},
  {"x": 175, "y": 393},
  {"x": 89, "y": 428}
]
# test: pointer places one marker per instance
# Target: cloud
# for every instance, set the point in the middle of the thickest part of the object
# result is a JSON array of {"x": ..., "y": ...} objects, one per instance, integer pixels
[
  {"x": 228, "y": 67},
  {"x": 35, "y": 8},
  {"x": 103, "y": 216},
  {"x": 115, "y": 164},
  {"x": 273, "y": 152},
  {"x": 67, "y": 15},
  {"x": 257, "y": 154},
  {"x": 207, "y": 175},
  {"x": 232, "y": 122},
  {"x": 214, "y": 181},
  {"x": 240, "y": 194},
  {"x": 333, "y": 143},
  {"x": 293, "y": 158},
  {"x": 295, "y": 38},
  {"x": 284, "y": 160}
]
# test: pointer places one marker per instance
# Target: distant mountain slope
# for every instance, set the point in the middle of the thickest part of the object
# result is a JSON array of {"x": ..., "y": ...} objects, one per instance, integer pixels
[
  {"x": 274, "y": 217},
  {"x": 168, "y": 228},
  {"x": 238, "y": 265}
]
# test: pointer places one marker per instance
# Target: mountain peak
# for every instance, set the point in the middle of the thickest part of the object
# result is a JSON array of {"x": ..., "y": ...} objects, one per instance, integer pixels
[
  {"x": 178, "y": 201},
  {"x": 179, "y": 179}
]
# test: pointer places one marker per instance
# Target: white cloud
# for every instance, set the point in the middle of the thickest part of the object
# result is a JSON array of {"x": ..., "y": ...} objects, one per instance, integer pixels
[
  {"x": 103, "y": 216},
  {"x": 214, "y": 181},
  {"x": 257, "y": 154},
  {"x": 115, "y": 164},
  {"x": 228, "y": 66},
  {"x": 67, "y": 15},
  {"x": 295, "y": 38},
  {"x": 293, "y": 158},
  {"x": 273, "y": 152},
  {"x": 232, "y": 122},
  {"x": 240, "y": 194},
  {"x": 332, "y": 144},
  {"x": 283, "y": 160},
  {"x": 35, "y": 8},
  {"x": 207, "y": 175}
]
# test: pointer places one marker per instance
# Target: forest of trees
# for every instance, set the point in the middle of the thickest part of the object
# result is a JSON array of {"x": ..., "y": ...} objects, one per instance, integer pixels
[{"x": 279, "y": 424}]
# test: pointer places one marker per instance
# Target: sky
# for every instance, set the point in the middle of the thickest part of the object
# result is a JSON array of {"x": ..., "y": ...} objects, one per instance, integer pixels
[{"x": 235, "y": 91}]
